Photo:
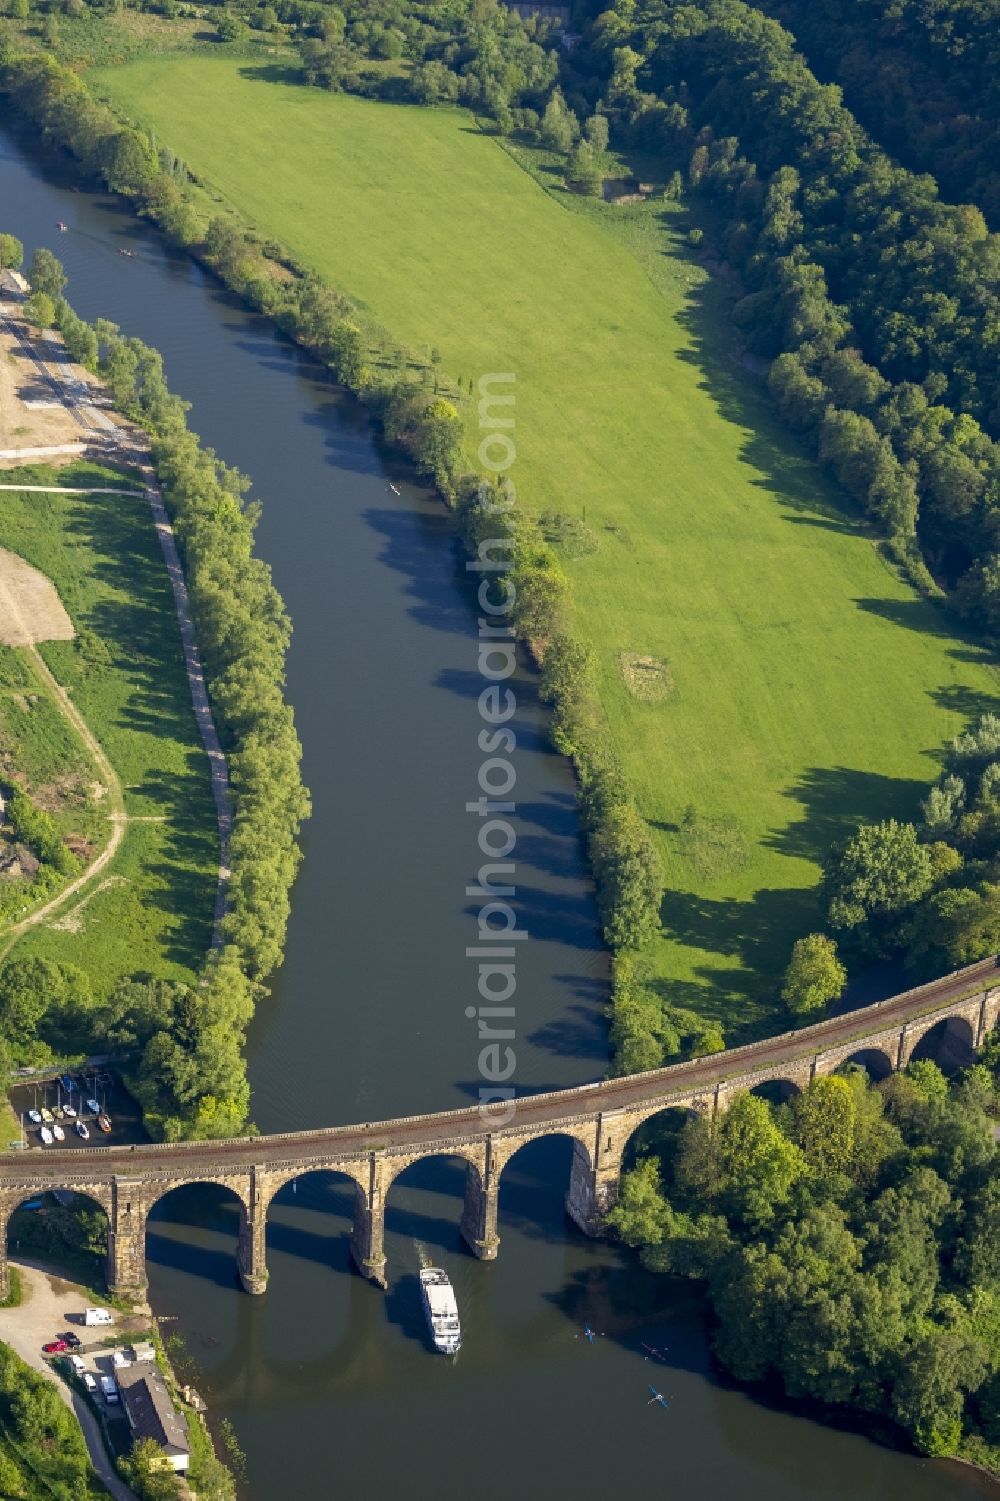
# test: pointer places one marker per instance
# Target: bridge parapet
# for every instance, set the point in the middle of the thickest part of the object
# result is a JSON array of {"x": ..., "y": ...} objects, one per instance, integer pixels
[{"x": 599, "y": 1117}]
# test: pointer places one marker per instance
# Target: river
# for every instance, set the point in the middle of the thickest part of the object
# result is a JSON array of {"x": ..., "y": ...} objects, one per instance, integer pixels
[{"x": 327, "y": 1381}]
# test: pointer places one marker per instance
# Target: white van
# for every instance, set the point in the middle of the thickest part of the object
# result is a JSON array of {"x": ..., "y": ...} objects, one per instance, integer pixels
[
  {"x": 78, "y": 1364},
  {"x": 109, "y": 1388},
  {"x": 94, "y": 1316},
  {"x": 89, "y": 1382}
]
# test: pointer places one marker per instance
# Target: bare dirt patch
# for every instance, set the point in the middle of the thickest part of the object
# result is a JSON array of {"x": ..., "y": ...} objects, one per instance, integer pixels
[
  {"x": 22, "y": 424},
  {"x": 30, "y": 608},
  {"x": 66, "y": 791},
  {"x": 648, "y": 679}
]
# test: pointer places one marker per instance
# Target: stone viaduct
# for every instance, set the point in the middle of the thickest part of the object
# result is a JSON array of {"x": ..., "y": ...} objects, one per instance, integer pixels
[{"x": 600, "y": 1119}]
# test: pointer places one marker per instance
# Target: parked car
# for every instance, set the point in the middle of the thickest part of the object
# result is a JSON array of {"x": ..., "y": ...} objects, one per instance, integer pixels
[
  {"x": 55, "y": 1347},
  {"x": 110, "y": 1389},
  {"x": 73, "y": 1340},
  {"x": 94, "y": 1316},
  {"x": 78, "y": 1364},
  {"x": 89, "y": 1381}
]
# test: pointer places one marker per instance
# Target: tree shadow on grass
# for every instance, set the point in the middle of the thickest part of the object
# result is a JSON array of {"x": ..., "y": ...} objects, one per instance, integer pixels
[
  {"x": 932, "y": 619},
  {"x": 785, "y": 464},
  {"x": 137, "y": 621},
  {"x": 757, "y": 933},
  {"x": 184, "y": 871},
  {"x": 835, "y": 801},
  {"x": 958, "y": 699},
  {"x": 271, "y": 73}
]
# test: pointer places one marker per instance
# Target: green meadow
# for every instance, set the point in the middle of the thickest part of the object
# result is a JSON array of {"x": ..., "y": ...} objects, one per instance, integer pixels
[
  {"x": 151, "y": 909},
  {"x": 804, "y": 686}
]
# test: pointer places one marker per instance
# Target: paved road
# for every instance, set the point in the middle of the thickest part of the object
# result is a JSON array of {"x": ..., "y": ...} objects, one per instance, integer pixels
[
  {"x": 50, "y": 452},
  {"x": 657, "y": 1086},
  {"x": 218, "y": 765},
  {"x": 73, "y": 489}
]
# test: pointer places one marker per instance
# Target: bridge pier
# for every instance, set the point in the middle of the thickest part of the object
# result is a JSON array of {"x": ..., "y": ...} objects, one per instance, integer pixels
[
  {"x": 126, "y": 1262},
  {"x": 368, "y": 1236},
  {"x": 594, "y": 1181},
  {"x": 479, "y": 1213},
  {"x": 251, "y": 1250}
]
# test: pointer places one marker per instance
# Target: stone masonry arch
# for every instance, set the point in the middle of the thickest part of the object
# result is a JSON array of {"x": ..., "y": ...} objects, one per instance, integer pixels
[{"x": 600, "y": 1117}]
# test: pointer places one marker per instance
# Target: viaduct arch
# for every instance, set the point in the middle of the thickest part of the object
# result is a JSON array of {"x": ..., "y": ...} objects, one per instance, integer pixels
[{"x": 600, "y": 1118}]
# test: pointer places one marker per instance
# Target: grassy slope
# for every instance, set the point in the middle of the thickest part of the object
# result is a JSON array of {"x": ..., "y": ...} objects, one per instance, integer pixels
[
  {"x": 102, "y": 555},
  {"x": 813, "y": 689}
]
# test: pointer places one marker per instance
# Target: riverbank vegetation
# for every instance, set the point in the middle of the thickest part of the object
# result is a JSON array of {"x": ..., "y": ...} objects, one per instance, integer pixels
[
  {"x": 181, "y": 1025},
  {"x": 847, "y": 1242},
  {"x": 42, "y": 1451},
  {"x": 743, "y": 569}
]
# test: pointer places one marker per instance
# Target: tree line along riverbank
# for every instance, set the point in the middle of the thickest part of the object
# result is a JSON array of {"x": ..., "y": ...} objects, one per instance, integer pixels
[
  {"x": 423, "y": 422},
  {"x": 182, "y": 1030}
]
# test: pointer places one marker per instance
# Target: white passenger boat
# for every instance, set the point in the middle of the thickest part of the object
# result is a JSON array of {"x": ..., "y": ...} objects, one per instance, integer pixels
[{"x": 441, "y": 1310}]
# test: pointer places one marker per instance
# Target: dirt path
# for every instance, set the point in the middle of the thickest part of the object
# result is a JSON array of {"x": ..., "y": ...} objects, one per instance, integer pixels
[
  {"x": 218, "y": 766},
  {"x": 40, "y": 1317},
  {"x": 114, "y": 786}
]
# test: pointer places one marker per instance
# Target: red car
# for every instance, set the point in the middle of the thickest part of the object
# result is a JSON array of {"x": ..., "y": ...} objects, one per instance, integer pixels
[{"x": 55, "y": 1347}]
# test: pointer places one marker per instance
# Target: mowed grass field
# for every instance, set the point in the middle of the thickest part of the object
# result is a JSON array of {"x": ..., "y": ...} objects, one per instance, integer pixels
[
  {"x": 151, "y": 910},
  {"x": 811, "y": 688}
]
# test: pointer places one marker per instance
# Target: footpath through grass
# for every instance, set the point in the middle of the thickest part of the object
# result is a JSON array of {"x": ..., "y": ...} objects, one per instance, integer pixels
[
  {"x": 806, "y": 687},
  {"x": 151, "y": 909}
]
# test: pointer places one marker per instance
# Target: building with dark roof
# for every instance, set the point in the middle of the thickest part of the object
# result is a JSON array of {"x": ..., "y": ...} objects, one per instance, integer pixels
[{"x": 152, "y": 1414}]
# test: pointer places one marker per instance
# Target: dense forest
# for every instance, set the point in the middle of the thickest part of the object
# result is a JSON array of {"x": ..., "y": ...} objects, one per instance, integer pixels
[
  {"x": 922, "y": 76},
  {"x": 848, "y": 1243}
]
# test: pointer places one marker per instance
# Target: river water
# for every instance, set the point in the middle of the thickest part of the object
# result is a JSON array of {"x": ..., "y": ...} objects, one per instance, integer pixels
[{"x": 327, "y": 1381}]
